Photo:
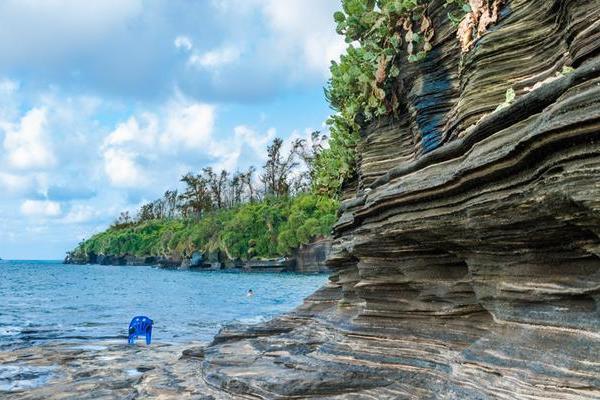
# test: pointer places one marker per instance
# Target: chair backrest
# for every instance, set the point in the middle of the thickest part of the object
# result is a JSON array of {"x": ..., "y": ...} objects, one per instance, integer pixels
[{"x": 140, "y": 324}]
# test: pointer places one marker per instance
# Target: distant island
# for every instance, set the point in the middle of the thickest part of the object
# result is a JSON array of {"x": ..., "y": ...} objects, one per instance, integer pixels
[{"x": 272, "y": 220}]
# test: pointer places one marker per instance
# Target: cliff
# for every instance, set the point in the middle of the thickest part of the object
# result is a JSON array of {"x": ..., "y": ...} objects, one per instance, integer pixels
[
  {"x": 309, "y": 258},
  {"x": 466, "y": 264}
]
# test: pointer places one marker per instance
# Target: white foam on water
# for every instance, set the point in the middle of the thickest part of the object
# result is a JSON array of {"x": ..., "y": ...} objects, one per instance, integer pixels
[
  {"x": 10, "y": 330},
  {"x": 253, "y": 320}
]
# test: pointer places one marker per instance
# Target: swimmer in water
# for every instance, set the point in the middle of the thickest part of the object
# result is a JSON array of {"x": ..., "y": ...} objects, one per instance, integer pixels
[{"x": 250, "y": 293}]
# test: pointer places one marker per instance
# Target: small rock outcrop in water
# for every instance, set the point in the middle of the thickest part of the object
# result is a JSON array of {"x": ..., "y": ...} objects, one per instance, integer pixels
[{"x": 471, "y": 271}]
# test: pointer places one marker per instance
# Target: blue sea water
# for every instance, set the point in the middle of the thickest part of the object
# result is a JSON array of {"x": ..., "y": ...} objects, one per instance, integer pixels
[{"x": 43, "y": 301}]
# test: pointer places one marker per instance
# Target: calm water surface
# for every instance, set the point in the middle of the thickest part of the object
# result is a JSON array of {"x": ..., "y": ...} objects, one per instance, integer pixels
[{"x": 42, "y": 301}]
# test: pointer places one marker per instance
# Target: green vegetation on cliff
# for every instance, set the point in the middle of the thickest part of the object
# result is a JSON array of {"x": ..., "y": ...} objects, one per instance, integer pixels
[
  {"x": 239, "y": 215},
  {"x": 268, "y": 228},
  {"x": 364, "y": 83}
]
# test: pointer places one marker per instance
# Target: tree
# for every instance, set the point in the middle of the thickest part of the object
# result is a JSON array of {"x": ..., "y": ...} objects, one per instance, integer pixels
[
  {"x": 123, "y": 221},
  {"x": 196, "y": 199},
  {"x": 236, "y": 189},
  {"x": 278, "y": 168},
  {"x": 247, "y": 179},
  {"x": 158, "y": 208},
  {"x": 146, "y": 213},
  {"x": 171, "y": 200},
  {"x": 309, "y": 152}
]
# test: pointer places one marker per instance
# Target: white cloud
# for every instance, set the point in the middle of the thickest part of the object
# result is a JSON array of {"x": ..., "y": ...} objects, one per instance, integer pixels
[
  {"x": 80, "y": 214},
  {"x": 26, "y": 144},
  {"x": 40, "y": 208},
  {"x": 317, "y": 41},
  {"x": 183, "y": 42},
  {"x": 13, "y": 183},
  {"x": 131, "y": 131},
  {"x": 256, "y": 141},
  {"x": 121, "y": 168},
  {"x": 180, "y": 136},
  {"x": 141, "y": 140},
  {"x": 190, "y": 125},
  {"x": 247, "y": 147},
  {"x": 215, "y": 58}
]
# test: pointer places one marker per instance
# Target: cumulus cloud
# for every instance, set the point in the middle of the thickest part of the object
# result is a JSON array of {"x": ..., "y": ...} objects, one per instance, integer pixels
[
  {"x": 183, "y": 42},
  {"x": 139, "y": 133},
  {"x": 130, "y": 47},
  {"x": 284, "y": 45},
  {"x": 181, "y": 135},
  {"x": 121, "y": 168},
  {"x": 190, "y": 125},
  {"x": 257, "y": 142},
  {"x": 40, "y": 208},
  {"x": 134, "y": 145},
  {"x": 27, "y": 145},
  {"x": 305, "y": 27}
]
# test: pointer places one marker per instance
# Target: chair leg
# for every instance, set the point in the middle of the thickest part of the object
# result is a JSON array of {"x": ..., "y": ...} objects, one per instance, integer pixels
[{"x": 148, "y": 337}]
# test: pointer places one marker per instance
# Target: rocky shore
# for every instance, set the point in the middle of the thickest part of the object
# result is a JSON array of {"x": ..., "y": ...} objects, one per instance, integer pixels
[
  {"x": 471, "y": 271},
  {"x": 309, "y": 258},
  {"x": 104, "y": 370}
]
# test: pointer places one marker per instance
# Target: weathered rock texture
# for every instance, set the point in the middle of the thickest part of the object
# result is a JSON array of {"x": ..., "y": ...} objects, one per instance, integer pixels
[
  {"x": 103, "y": 370},
  {"x": 311, "y": 258},
  {"x": 470, "y": 271}
]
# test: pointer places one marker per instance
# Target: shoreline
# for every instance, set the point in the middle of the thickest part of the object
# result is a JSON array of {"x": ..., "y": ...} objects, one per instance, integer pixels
[
  {"x": 233, "y": 270},
  {"x": 111, "y": 368},
  {"x": 307, "y": 259},
  {"x": 105, "y": 369}
]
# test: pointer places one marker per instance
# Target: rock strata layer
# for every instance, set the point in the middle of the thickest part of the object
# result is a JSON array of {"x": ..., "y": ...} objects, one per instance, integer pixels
[{"x": 466, "y": 264}]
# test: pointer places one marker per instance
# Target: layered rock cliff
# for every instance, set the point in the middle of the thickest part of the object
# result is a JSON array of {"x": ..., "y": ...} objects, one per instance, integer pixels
[{"x": 467, "y": 263}]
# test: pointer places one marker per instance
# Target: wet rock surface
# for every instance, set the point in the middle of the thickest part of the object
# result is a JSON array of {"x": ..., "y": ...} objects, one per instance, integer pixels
[
  {"x": 104, "y": 370},
  {"x": 311, "y": 258}
]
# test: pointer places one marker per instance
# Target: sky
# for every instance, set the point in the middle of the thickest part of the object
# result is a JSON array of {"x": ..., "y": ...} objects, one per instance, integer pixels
[{"x": 105, "y": 104}]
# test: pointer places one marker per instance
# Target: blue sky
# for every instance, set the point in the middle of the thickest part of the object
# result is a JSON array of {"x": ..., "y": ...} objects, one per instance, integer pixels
[{"x": 105, "y": 104}]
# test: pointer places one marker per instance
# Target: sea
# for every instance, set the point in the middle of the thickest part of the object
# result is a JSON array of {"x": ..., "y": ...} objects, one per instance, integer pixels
[{"x": 47, "y": 301}]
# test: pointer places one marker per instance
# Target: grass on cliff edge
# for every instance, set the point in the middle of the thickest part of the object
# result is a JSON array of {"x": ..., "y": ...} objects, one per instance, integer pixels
[{"x": 270, "y": 228}]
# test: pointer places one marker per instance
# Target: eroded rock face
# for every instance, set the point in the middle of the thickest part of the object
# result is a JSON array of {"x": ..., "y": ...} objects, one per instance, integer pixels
[
  {"x": 312, "y": 258},
  {"x": 467, "y": 262}
]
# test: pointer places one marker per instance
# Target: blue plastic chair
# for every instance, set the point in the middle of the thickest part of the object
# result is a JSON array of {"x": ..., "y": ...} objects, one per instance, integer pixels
[{"x": 140, "y": 326}]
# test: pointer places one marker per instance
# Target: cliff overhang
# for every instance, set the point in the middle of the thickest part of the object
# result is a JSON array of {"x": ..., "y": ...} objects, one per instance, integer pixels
[{"x": 470, "y": 271}]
